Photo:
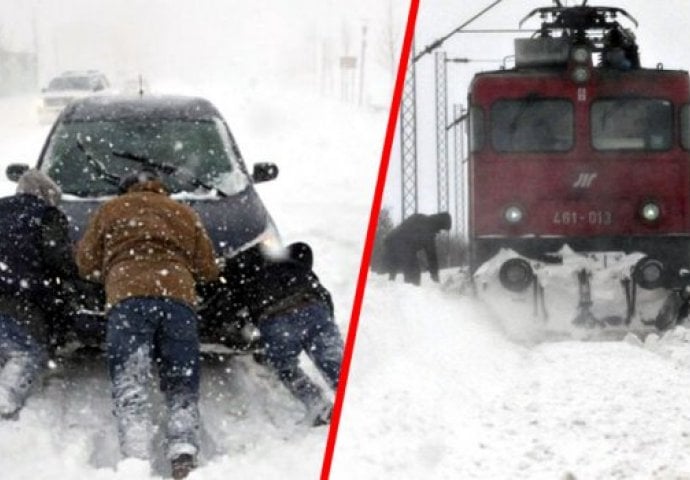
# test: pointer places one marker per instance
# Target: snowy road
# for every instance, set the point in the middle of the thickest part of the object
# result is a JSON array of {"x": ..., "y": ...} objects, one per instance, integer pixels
[
  {"x": 437, "y": 391},
  {"x": 328, "y": 155}
]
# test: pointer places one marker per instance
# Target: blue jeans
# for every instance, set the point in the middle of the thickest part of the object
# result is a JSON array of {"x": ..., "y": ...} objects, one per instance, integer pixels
[
  {"x": 139, "y": 329},
  {"x": 21, "y": 360},
  {"x": 307, "y": 328}
]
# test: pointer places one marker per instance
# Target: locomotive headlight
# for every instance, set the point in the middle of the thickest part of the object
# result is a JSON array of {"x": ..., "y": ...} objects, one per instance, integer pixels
[
  {"x": 580, "y": 74},
  {"x": 513, "y": 214},
  {"x": 580, "y": 54},
  {"x": 650, "y": 211}
]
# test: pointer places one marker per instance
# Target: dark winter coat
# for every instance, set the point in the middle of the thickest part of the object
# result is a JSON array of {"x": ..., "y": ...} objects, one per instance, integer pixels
[
  {"x": 145, "y": 244},
  {"x": 264, "y": 286},
  {"x": 416, "y": 233},
  {"x": 35, "y": 259}
]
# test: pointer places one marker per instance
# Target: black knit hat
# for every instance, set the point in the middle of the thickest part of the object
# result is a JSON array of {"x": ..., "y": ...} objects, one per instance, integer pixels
[
  {"x": 132, "y": 179},
  {"x": 40, "y": 185},
  {"x": 301, "y": 252}
]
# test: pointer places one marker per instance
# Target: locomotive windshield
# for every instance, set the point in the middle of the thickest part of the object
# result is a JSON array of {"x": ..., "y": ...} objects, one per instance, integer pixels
[
  {"x": 532, "y": 125},
  {"x": 685, "y": 127},
  {"x": 632, "y": 124}
]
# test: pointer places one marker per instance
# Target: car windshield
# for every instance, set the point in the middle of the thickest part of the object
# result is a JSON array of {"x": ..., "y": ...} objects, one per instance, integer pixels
[
  {"x": 632, "y": 124},
  {"x": 202, "y": 149},
  {"x": 532, "y": 125},
  {"x": 71, "y": 83}
]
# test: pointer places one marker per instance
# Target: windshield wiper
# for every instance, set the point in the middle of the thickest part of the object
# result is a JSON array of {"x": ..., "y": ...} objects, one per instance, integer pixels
[
  {"x": 97, "y": 165},
  {"x": 168, "y": 169}
]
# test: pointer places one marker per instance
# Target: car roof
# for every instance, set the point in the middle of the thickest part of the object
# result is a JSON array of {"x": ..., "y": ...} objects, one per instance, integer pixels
[
  {"x": 121, "y": 107},
  {"x": 80, "y": 73}
]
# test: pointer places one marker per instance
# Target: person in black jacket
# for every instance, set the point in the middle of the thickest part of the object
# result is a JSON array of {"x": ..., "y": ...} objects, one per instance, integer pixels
[
  {"x": 416, "y": 233},
  {"x": 294, "y": 314},
  {"x": 35, "y": 255}
]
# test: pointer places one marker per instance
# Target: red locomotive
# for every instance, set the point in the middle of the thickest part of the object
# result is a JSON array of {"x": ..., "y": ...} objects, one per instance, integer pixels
[{"x": 579, "y": 145}]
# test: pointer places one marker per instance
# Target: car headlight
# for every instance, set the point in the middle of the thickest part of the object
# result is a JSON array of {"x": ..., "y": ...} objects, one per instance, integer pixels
[
  {"x": 270, "y": 240},
  {"x": 513, "y": 214},
  {"x": 650, "y": 212}
]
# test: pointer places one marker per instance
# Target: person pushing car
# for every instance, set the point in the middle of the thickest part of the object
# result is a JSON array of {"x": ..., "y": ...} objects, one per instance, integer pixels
[
  {"x": 35, "y": 259},
  {"x": 149, "y": 251}
]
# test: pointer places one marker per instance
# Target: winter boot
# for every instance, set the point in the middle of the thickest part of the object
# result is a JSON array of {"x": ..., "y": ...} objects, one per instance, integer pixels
[
  {"x": 135, "y": 435},
  {"x": 182, "y": 465},
  {"x": 16, "y": 378},
  {"x": 322, "y": 416},
  {"x": 9, "y": 406}
]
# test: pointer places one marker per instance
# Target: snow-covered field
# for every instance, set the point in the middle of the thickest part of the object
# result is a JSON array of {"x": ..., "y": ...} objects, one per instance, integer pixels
[
  {"x": 437, "y": 390},
  {"x": 328, "y": 154}
]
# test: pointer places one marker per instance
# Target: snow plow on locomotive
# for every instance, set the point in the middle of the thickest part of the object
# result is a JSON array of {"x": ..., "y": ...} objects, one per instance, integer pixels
[{"x": 579, "y": 177}]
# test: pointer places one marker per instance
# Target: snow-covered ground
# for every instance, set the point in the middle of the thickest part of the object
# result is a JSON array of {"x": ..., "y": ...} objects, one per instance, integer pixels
[
  {"x": 437, "y": 390},
  {"x": 328, "y": 154}
]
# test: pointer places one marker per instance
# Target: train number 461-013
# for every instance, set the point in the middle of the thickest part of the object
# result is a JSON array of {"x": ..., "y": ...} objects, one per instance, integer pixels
[{"x": 592, "y": 217}]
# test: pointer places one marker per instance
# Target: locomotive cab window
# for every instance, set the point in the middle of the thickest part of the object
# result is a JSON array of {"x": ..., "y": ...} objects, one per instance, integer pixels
[
  {"x": 632, "y": 124},
  {"x": 476, "y": 127},
  {"x": 685, "y": 127},
  {"x": 532, "y": 125}
]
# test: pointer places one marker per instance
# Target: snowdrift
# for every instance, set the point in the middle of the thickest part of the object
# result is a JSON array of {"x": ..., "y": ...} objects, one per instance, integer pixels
[{"x": 437, "y": 390}]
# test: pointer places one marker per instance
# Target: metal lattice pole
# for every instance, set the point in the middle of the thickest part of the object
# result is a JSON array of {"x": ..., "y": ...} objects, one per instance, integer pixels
[
  {"x": 460, "y": 177},
  {"x": 442, "y": 188},
  {"x": 408, "y": 142}
]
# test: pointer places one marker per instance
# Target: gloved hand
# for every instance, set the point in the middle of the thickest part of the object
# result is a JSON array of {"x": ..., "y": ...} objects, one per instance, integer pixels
[{"x": 221, "y": 262}]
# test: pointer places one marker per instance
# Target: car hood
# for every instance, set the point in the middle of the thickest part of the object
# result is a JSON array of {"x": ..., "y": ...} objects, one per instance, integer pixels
[{"x": 232, "y": 222}]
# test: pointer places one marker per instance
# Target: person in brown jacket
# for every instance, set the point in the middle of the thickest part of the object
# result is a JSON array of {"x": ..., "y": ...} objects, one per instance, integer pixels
[{"x": 149, "y": 251}]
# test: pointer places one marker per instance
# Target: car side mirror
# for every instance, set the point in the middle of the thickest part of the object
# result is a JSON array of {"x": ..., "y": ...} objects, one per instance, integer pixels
[
  {"x": 15, "y": 170},
  {"x": 265, "y": 171}
]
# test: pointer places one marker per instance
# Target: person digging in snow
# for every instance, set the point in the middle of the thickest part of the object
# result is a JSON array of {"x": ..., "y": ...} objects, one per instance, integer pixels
[
  {"x": 35, "y": 258},
  {"x": 294, "y": 313},
  {"x": 416, "y": 233},
  {"x": 150, "y": 251}
]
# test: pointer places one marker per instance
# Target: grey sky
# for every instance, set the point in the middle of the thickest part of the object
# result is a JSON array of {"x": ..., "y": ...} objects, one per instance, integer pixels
[{"x": 180, "y": 38}]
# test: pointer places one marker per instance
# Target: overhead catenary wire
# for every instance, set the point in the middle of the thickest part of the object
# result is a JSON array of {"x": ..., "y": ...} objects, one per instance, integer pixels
[
  {"x": 437, "y": 43},
  {"x": 473, "y": 60},
  {"x": 499, "y": 30}
]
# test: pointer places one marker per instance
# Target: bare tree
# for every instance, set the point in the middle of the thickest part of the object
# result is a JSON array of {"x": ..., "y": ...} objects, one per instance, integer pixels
[{"x": 389, "y": 36}]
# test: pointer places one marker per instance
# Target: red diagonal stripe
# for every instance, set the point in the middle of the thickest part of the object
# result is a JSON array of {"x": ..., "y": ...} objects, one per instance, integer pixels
[{"x": 369, "y": 241}]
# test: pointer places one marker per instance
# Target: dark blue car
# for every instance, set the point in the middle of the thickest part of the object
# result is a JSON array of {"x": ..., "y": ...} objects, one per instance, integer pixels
[{"x": 96, "y": 140}]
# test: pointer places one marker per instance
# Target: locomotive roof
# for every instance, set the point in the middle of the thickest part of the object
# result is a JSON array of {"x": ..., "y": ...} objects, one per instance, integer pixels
[{"x": 559, "y": 70}]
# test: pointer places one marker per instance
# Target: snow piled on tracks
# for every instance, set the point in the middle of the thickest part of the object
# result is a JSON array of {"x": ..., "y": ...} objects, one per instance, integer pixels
[{"x": 437, "y": 390}]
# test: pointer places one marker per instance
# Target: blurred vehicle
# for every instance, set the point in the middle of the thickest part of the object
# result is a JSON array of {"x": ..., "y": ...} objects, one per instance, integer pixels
[
  {"x": 68, "y": 86},
  {"x": 97, "y": 140}
]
